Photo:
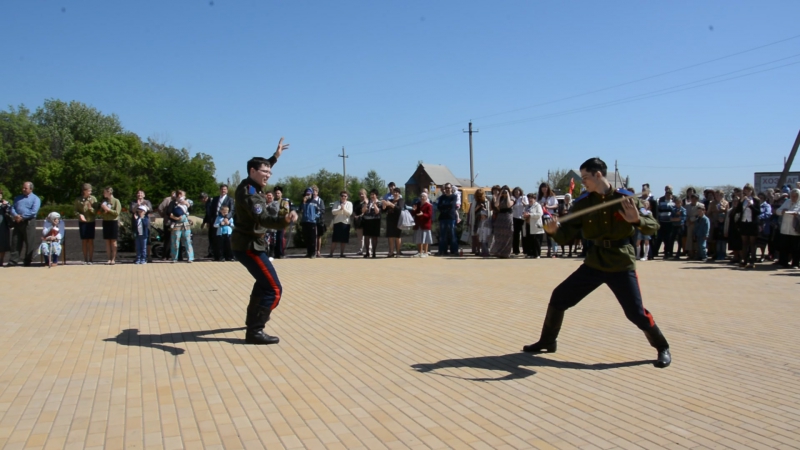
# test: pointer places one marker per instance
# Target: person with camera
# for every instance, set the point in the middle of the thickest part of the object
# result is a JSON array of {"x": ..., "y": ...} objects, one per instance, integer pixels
[
  {"x": 611, "y": 259},
  {"x": 251, "y": 222}
]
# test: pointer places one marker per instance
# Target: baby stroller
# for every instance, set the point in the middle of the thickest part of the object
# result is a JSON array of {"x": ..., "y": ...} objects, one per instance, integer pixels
[{"x": 158, "y": 248}]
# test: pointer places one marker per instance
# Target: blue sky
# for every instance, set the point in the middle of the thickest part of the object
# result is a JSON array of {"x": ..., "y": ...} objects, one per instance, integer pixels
[{"x": 397, "y": 82}]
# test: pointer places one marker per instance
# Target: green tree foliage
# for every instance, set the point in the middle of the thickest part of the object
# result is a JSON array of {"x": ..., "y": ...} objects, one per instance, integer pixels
[
  {"x": 63, "y": 145},
  {"x": 66, "y": 124},
  {"x": 373, "y": 181},
  {"x": 21, "y": 149}
]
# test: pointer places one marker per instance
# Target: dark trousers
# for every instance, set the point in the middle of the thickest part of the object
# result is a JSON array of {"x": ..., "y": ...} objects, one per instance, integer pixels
[
  {"x": 624, "y": 285},
  {"x": 222, "y": 247},
  {"x": 24, "y": 233},
  {"x": 447, "y": 237},
  {"x": 310, "y": 237},
  {"x": 664, "y": 236},
  {"x": 267, "y": 287},
  {"x": 532, "y": 245},
  {"x": 280, "y": 244},
  {"x": 212, "y": 243},
  {"x": 789, "y": 245},
  {"x": 167, "y": 240},
  {"x": 518, "y": 223}
]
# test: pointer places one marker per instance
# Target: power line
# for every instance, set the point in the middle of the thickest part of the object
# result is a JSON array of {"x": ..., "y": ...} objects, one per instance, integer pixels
[
  {"x": 647, "y": 95},
  {"x": 691, "y": 66},
  {"x": 697, "y": 167},
  {"x": 641, "y": 79},
  {"x": 440, "y": 137}
]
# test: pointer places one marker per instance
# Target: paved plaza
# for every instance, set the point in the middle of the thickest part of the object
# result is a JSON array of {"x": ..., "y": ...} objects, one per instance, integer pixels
[{"x": 394, "y": 353}]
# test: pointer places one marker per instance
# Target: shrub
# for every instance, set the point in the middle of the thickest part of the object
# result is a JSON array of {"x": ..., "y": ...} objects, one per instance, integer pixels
[{"x": 67, "y": 211}]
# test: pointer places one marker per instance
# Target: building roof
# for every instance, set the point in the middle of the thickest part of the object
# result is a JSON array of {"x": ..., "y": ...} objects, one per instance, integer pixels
[
  {"x": 463, "y": 182},
  {"x": 440, "y": 174}
]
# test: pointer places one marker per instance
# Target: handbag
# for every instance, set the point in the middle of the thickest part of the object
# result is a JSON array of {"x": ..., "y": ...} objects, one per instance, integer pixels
[
  {"x": 796, "y": 223},
  {"x": 405, "y": 222}
]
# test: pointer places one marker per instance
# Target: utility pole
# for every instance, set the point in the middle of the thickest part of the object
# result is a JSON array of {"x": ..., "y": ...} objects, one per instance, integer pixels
[
  {"x": 788, "y": 164},
  {"x": 344, "y": 169},
  {"x": 471, "y": 166}
]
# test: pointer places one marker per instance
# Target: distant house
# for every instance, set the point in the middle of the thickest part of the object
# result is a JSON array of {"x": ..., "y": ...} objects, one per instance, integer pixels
[
  {"x": 428, "y": 175},
  {"x": 616, "y": 179}
]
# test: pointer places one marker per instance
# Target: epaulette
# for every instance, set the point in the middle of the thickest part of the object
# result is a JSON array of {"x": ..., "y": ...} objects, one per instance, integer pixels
[
  {"x": 581, "y": 197},
  {"x": 624, "y": 192},
  {"x": 250, "y": 189}
]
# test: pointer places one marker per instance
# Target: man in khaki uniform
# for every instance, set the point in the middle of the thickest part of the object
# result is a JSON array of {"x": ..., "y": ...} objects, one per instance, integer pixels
[{"x": 611, "y": 259}]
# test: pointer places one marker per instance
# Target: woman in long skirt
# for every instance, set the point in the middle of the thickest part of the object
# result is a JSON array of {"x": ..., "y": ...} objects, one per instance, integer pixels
[{"x": 503, "y": 224}]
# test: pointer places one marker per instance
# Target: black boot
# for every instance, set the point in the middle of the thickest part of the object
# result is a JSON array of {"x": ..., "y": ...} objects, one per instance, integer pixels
[
  {"x": 550, "y": 330},
  {"x": 659, "y": 342},
  {"x": 257, "y": 317}
]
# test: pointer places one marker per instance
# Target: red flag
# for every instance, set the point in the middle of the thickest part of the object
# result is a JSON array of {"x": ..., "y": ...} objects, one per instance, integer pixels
[{"x": 571, "y": 185}]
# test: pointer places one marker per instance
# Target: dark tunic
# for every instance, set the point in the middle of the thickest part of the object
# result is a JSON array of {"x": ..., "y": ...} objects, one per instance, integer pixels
[{"x": 393, "y": 217}]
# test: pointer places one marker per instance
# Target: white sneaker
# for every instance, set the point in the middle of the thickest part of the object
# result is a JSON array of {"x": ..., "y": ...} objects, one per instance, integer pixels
[
  {"x": 360, "y": 252},
  {"x": 425, "y": 255},
  {"x": 271, "y": 258}
]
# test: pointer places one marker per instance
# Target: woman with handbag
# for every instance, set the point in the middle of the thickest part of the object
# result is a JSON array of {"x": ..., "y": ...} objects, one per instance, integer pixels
[
  {"x": 789, "y": 212},
  {"x": 547, "y": 198},
  {"x": 5, "y": 229},
  {"x": 393, "y": 208}
]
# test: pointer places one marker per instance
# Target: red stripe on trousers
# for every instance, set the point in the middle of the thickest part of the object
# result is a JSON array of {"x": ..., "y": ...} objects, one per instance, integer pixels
[
  {"x": 646, "y": 312},
  {"x": 266, "y": 272}
]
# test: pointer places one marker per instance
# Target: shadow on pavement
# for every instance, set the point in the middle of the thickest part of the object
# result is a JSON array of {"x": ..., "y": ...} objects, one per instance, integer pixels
[
  {"x": 517, "y": 365},
  {"x": 133, "y": 338}
]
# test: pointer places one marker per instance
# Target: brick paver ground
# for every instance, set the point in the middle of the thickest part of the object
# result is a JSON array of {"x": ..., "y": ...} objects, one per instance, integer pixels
[{"x": 393, "y": 353}]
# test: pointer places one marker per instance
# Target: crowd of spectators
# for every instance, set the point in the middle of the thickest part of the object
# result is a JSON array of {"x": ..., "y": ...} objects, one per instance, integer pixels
[{"x": 502, "y": 223}]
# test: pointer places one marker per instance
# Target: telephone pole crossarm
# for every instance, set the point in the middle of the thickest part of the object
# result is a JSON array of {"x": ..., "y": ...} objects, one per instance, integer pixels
[{"x": 344, "y": 169}]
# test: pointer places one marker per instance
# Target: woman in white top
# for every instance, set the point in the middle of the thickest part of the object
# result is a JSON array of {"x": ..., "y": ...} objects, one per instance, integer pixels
[
  {"x": 549, "y": 203},
  {"x": 789, "y": 237},
  {"x": 520, "y": 202},
  {"x": 533, "y": 229},
  {"x": 342, "y": 210}
]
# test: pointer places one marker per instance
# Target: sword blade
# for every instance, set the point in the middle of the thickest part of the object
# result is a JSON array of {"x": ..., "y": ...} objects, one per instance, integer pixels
[{"x": 591, "y": 209}]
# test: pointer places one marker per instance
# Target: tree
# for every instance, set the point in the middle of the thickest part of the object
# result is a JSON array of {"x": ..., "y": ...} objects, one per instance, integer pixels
[
  {"x": 682, "y": 193},
  {"x": 373, "y": 181},
  {"x": 21, "y": 149},
  {"x": 65, "y": 124},
  {"x": 234, "y": 180}
]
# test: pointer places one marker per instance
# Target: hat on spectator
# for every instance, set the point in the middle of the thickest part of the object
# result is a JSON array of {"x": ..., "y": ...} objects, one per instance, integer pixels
[
  {"x": 308, "y": 191},
  {"x": 143, "y": 208},
  {"x": 53, "y": 216},
  {"x": 786, "y": 189},
  {"x": 700, "y": 206}
]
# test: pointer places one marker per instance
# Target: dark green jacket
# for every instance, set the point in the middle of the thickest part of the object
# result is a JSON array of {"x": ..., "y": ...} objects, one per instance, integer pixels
[{"x": 606, "y": 224}]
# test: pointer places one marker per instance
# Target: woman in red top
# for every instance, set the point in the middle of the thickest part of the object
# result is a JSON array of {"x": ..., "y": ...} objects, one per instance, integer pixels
[{"x": 423, "y": 215}]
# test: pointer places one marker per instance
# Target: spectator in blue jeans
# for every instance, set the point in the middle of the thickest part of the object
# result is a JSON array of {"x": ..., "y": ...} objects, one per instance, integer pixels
[
  {"x": 702, "y": 227},
  {"x": 447, "y": 204},
  {"x": 678, "y": 228},
  {"x": 141, "y": 233}
]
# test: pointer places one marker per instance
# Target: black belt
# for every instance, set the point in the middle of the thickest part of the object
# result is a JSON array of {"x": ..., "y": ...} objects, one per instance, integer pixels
[
  {"x": 249, "y": 233},
  {"x": 606, "y": 243}
]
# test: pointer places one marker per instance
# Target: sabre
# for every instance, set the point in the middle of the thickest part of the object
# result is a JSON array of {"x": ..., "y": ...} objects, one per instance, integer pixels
[{"x": 592, "y": 209}]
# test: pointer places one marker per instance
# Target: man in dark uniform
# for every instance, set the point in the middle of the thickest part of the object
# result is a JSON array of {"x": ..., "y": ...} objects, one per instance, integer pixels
[
  {"x": 610, "y": 260},
  {"x": 250, "y": 247}
]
